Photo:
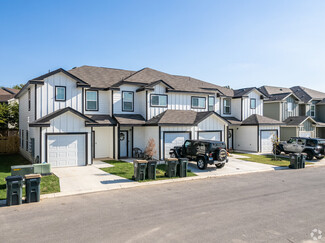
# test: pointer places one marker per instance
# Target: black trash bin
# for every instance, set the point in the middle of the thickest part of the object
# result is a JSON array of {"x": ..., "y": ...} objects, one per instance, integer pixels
[
  {"x": 171, "y": 167},
  {"x": 294, "y": 161},
  {"x": 140, "y": 167},
  {"x": 33, "y": 190},
  {"x": 14, "y": 190},
  {"x": 182, "y": 167},
  {"x": 302, "y": 160},
  {"x": 151, "y": 169}
]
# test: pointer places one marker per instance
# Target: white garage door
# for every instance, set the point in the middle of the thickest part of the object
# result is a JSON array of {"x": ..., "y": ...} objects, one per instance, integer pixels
[
  {"x": 266, "y": 141},
  {"x": 66, "y": 150},
  {"x": 174, "y": 139},
  {"x": 216, "y": 136}
]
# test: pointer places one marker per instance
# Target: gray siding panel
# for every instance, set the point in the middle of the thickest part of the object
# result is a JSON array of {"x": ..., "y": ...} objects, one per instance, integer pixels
[
  {"x": 287, "y": 132},
  {"x": 285, "y": 112},
  {"x": 272, "y": 110},
  {"x": 320, "y": 112}
]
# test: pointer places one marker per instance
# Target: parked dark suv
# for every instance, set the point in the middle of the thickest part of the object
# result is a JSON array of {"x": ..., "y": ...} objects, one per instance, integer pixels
[
  {"x": 313, "y": 147},
  {"x": 203, "y": 151}
]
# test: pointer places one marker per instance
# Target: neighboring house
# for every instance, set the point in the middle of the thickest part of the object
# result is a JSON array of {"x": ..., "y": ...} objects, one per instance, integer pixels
[
  {"x": 7, "y": 95},
  {"x": 68, "y": 118},
  {"x": 296, "y": 109}
]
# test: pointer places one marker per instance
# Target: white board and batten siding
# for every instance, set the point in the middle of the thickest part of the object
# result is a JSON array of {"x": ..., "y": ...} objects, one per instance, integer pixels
[
  {"x": 247, "y": 111},
  {"x": 65, "y": 125},
  {"x": 46, "y": 95},
  {"x": 104, "y": 142}
]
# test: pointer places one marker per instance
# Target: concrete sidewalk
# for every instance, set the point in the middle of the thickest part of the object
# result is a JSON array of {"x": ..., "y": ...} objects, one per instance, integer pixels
[{"x": 86, "y": 179}]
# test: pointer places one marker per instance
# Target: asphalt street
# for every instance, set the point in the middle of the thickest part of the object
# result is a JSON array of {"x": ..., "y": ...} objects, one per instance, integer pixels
[{"x": 279, "y": 206}]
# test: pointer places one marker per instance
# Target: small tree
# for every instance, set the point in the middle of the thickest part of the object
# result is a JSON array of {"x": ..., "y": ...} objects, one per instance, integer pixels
[
  {"x": 150, "y": 150},
  {"x": 4, "y": 115},
  {"x": 18, "y": 86},
  {"x": 275, "y": 141},
  {"x": 13, "y": 118}
]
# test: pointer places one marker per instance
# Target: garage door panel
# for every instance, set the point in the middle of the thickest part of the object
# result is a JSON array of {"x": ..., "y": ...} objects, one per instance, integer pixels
[
  {"x": 210, "y": 135},
  {"x": 267, "y": 141},
  {"x": 174, "y": 139},
  {"x": 66, "y": 150}
]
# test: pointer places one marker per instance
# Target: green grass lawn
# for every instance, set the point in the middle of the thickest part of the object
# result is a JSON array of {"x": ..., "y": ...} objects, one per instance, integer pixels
[
  {"x": 49, "y": 184},
  {"x": 267, "y": 159},
  {"x": 125, "y": 170}
]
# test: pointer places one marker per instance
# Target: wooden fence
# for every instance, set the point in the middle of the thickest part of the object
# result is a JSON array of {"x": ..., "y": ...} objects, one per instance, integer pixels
[{"x": 9, "y": 145}]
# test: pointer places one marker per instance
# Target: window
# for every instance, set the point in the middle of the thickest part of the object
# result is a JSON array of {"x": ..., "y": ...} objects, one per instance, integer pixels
[
  {"x": 227, "y": 106},
  {"x": 312, "y": 110},
  {"x": 253, "y": 103},
  {"x": 26, "y": 140},
  {"x": 211, "y": 103},
  {"x": 127, "y": 101},
  {"x": 91, "y": 100},
  {"x": 60, "y": 93},
  {"x": 290, "y": 107},
  {"x": 22, "y": 139},
  {"x": 29, "y": 100},
  {"x": 159, "y": 100},
  {"x": 198, "y": 102}
]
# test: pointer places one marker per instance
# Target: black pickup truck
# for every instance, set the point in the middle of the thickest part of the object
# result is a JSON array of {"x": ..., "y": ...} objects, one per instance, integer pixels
[
  {"x": 203, "y": 151},
  {"x": 313, "y": 147}
]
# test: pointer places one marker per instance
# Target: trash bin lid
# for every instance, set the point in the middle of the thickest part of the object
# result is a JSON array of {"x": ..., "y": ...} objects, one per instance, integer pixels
[
  {"x": 32, "y": 176},
  {"x": 14, "y": 178}
]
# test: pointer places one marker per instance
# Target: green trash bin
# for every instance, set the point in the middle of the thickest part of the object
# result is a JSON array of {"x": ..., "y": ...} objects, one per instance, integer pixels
[
  {"x": 294, "y": 161},
  {"x": 33, "y": 190},
  {"x": 140, "y": 167},
  {"x": 151, "y": 169},
  {"x": 14, "y": 190},
  {"x": 182, "y": 167},
  {"x": 302, "y": 160},
  {"x": 171, "y": 167}
]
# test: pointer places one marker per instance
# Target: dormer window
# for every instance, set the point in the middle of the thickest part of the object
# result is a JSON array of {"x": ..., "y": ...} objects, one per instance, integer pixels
[
  {"x": 290, "y": 106},
  {"x": 127, "y": 101},
  {"x": 198, "y": 102},
  {"x": 91, "y": 100},
  {"x": 253, "y": 103},
  {"x": 227, "y": 106},
  {"x": 60, "y": 93},
  {"x": 312, "y": 110}
]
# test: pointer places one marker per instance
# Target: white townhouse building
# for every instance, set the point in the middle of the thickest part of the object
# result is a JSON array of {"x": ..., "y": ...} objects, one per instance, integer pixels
[{"x": 67, "y": 118}]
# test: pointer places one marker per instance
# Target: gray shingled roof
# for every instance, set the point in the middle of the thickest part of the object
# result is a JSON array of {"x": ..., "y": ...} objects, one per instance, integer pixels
[
  {"x": 244, "y": 91},
  {"x": 278, "y": 97},
  {"x": 260, "y": 120},
  {"x": 306, "y": 94},
  {"x": 100, "y": 77},
  {"x": 180, "y": 117},
  {"x": 271, "y": 90},
  {"x": 130, "y": 119},
  {"x": 102, "y": 119},
  {"x": 296, "y": 120},
  {"x": 233, "y": 120}
]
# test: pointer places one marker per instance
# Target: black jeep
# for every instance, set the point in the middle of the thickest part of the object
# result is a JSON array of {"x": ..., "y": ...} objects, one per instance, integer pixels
[
  {"x": 313, "y": 147},
  {"x": 202, "y": 151}
]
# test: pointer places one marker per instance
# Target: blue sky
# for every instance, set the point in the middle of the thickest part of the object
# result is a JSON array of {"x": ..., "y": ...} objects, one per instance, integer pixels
[{"x": 236, "y": 43}]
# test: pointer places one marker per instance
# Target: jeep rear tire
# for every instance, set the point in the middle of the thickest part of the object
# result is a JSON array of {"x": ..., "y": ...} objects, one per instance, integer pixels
[
  {"x": 310, "y": 155},
  {"x": 220, "y": 165},
  {"x": 201, "y": 163}
]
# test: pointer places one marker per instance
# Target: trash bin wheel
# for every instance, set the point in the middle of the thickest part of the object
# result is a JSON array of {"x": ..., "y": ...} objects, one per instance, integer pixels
[
  {"x": 220, "y": 165},
  {"x": 310, "y": 155},
  {"x": 201, "y": 163}
]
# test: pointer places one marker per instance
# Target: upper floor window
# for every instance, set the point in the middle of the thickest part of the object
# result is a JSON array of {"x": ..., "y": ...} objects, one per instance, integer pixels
[
  {"x": 127, "y": 101},
  {"x": 253, "y": 103},
  {"x": 159, "y": 100},
  {"x": 227, "y": 106},
  {"x": 91, "y": 100},
  {"x": 211, "y": 103},
  {"x": 26, "y": 140},
  {"x": 60, "y": 93},
  {"x": 290, "y": 106},
  {"x": 29, "y": 99},
  {"x": 198, "y": 102},
  {"x": 312, "y": 110}
]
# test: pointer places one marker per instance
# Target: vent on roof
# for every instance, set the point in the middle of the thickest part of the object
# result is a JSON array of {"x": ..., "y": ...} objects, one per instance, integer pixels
[{"x": 281, "y": 89}]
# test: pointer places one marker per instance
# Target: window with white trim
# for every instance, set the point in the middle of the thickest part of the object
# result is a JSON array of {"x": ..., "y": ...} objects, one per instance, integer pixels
[
  {"x": 227, "y": 106},
  {"x": 290, "y": 106},
  {"x": 312, "y": 110},
  {"x": 91, "y": 100},
  {"x": 198, "y": 102},
  {"x": 127, "y": 101},
  {"x": 253, "y": 103},
  {"x": 211, "y": 103},
  {"x": 158, "y": 100}
]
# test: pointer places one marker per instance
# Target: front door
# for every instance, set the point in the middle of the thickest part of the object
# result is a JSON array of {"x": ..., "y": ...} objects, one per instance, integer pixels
[{"x": 123, "y": 144}]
